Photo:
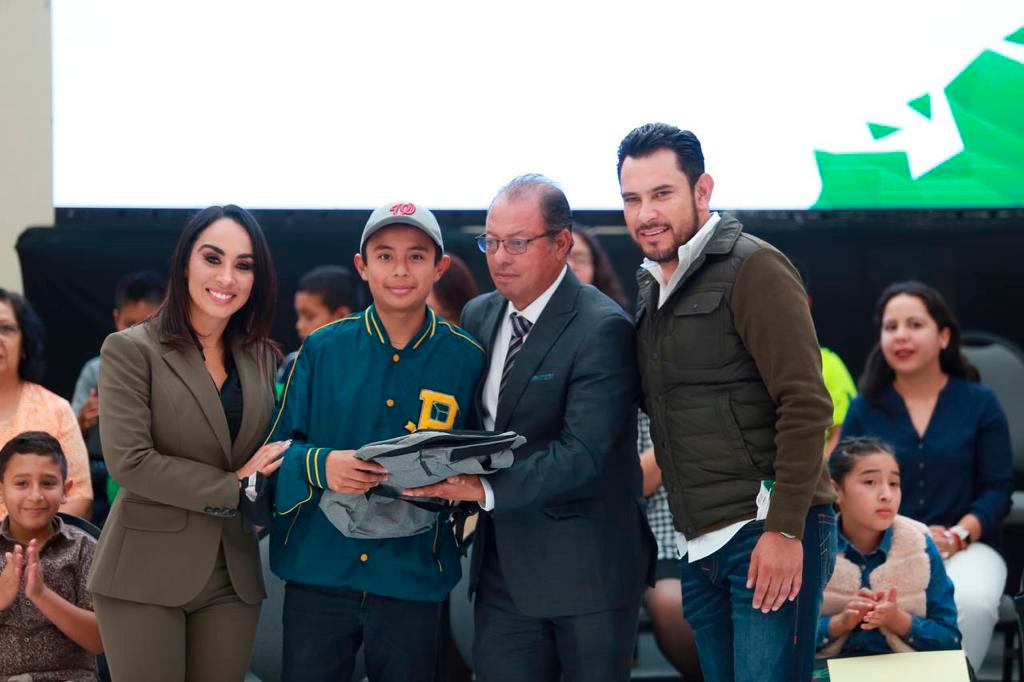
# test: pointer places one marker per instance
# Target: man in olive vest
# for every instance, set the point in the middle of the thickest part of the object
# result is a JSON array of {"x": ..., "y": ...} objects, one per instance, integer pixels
[{"x": 731, "y": 376}]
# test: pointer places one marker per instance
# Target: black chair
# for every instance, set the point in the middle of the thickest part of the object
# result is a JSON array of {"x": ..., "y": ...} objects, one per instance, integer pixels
[
  {"x": 1001, "y": 365},
  {"x": 102, "y": 671},
  {"x": 80, "y": 523},
  {"x": 1018, "y": 602}
]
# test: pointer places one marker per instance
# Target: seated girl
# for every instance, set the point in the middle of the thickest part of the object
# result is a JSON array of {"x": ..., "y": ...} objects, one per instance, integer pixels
[
  {"x": 889, "y": 592},
  {"x": 950, "y": 435}
]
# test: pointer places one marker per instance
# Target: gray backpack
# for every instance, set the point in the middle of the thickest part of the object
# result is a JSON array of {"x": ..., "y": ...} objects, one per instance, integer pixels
[{"x": 421, "y": 458}]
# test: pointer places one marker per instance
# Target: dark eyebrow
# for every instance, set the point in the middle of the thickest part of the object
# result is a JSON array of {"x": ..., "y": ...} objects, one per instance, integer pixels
[
  {"x": 219, "y": 251},
  {"x": 661, "y": 187}
]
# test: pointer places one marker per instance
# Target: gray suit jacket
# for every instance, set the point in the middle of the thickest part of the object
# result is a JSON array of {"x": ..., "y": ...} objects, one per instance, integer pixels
[
  {"x": 166, "y": 441},
  {"x": 570, "y": 532}
]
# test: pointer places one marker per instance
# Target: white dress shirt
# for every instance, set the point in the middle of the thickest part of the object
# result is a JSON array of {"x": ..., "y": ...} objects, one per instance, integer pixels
[
  {"x": 709, "y": 543},
  {"x": 499, "y": 350}
]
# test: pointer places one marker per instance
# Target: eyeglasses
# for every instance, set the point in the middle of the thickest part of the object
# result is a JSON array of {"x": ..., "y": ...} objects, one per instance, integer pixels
[
  {"x": 513, "y": 247},
  {"x": 8, "y": 329}
]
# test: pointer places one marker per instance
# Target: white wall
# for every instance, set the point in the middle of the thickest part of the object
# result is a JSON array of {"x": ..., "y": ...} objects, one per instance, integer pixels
[{"x": 26, "y": 170}]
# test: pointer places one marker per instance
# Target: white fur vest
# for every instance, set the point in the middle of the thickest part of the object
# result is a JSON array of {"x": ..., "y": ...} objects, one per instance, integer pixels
[{"x": 906, "y": 568}]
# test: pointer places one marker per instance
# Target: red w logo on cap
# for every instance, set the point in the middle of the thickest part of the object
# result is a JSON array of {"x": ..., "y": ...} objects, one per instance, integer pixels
[{"x": 403, "y": 209}]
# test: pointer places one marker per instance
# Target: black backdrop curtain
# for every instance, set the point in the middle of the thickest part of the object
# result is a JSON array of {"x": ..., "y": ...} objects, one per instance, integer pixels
[{"x": 974, "y": 258}]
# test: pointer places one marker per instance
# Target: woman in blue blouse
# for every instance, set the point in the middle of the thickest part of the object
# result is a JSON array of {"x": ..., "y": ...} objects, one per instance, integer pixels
[{"x": 919, "y": 394}]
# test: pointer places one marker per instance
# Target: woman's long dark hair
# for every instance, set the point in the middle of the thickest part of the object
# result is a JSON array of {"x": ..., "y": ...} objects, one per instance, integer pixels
[
  {"x": 878, "y": 375},
  {"x": 251, "y": 324},
  {"x": 456, "y": 287},
  {"x": 605, "y": 279}
]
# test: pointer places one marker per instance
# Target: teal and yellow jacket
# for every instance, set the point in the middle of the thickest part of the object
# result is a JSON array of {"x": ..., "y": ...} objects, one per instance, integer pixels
[{"x": 349, "y": 387}]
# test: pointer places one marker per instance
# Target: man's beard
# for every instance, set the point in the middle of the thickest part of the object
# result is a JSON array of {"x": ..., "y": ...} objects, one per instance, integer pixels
[
  {"x": 664, "y": 255},
  {"x": 672, "y": 253}
]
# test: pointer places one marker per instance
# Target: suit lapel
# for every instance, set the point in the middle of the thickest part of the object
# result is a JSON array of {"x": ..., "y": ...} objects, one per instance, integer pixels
[
  {"x": 492, "y": 321},
  {"x": 254, "y": 398},
  {"x": 189, "y": 367},
  {"x": 488, "y": 332},
  {"x": 549, "y": 327}
]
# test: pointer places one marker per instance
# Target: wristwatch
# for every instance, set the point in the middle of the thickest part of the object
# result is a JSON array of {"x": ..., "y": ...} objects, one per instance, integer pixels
[{"x": 961, "y": 533}]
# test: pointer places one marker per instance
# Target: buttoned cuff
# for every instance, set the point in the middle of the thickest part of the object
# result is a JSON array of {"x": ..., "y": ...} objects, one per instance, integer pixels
[
  {"x": 316, "y": 467},
  {"x": 488, "y": 503},
  {"x": 785, "y": 517},
  {"x": 916, "y": 630}
]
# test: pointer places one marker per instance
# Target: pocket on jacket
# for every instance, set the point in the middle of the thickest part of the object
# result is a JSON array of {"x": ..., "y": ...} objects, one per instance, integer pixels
[
  {"x": 153, "y": 517},
  {"x": 569, "y": 510},
  {"x": 696, "y": 340},
  {"x": 735, "y": 436}
]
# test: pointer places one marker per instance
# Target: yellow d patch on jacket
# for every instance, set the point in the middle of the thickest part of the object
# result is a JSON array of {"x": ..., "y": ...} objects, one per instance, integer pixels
[{"x": 438, "y": 411}]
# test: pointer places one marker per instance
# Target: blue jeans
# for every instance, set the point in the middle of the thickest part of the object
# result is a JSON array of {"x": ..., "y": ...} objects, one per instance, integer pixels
[
  {"x": 736, "y": 643},
  {"x": 323, "y": 629}
]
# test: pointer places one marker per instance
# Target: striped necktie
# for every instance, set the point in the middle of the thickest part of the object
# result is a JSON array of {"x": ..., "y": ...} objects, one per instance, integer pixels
[{"x": 520, "y": 328}]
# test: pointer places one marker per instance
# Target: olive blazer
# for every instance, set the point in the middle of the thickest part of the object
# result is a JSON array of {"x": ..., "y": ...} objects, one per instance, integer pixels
[{"x": 166, "y": 441}]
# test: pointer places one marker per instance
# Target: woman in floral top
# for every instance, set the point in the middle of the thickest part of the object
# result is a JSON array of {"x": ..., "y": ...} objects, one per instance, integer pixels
[{"x": 27, "y": 406}]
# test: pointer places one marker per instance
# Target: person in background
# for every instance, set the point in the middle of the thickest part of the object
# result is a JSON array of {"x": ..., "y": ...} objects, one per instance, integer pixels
[
  {"x": 324, "y": 294},
  {"x": 186, "y": 399},
  {"x": 591, "y": 264},
  {"x": 48, "y": 630},
  {"x": 664, "y": 601},
  {"x": 951, "y": 438},
  {"x": 452, "y": 292},
  {"x": 27, "y": 406},
  {"x": 136, "y": 297},
  {"x": 889, "y": 591},
  {"x": 841, "y": 389},
  {"x": 838, "y": 381}
]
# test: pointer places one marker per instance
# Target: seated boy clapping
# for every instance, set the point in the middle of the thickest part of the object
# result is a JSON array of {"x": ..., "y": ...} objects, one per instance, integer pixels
[{"x": 48, "y": 630}]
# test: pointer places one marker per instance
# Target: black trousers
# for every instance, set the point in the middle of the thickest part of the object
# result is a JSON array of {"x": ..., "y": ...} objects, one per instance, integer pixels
[
  {"x": 323, "y": 629},
  {"x": 510, "y": 646}
]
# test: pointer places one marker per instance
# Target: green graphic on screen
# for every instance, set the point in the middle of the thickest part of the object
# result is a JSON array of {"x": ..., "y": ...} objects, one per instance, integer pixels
[{"x": 987, "y": 103}]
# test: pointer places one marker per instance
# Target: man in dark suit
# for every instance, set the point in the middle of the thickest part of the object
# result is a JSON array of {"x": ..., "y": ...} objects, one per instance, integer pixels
[{"x": 562, "y": 551}]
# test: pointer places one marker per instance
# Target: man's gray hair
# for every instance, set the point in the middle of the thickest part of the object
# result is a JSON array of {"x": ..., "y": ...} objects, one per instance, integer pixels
[{"x": 554, "y": 207}]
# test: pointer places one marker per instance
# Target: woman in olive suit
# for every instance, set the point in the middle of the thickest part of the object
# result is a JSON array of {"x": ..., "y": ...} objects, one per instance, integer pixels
[{"x": 186, "y": 399}]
